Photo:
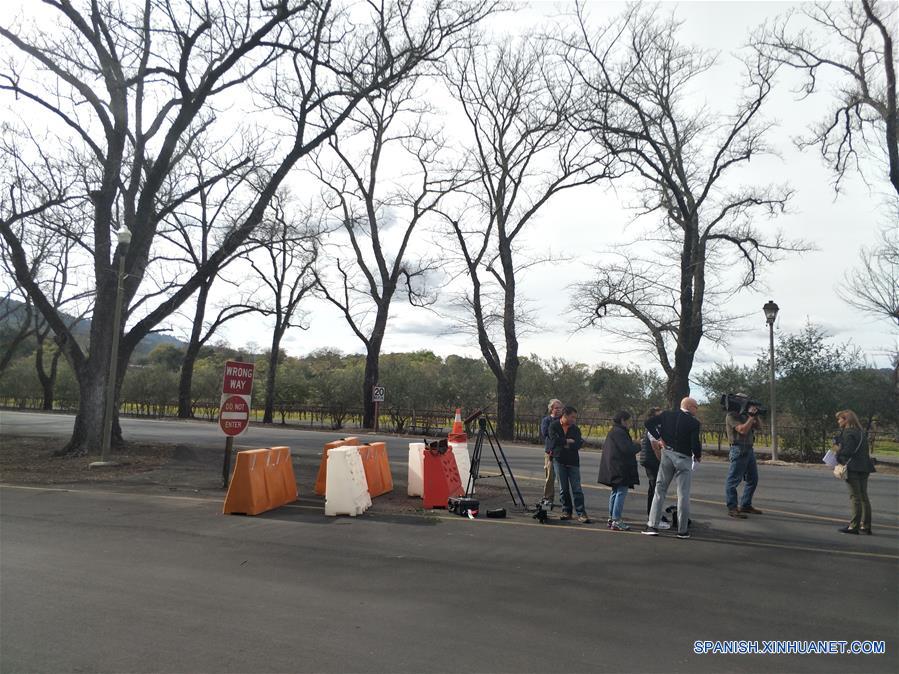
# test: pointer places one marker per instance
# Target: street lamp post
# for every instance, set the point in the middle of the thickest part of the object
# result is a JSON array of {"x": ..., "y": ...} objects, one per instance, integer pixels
[
  {"x": 771, "y": 310},
  {"x": 106, "y": 440}
]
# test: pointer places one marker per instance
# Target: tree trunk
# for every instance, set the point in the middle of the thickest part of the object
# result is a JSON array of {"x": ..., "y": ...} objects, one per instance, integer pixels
[
  {"x": 372, "y": 359},
  {"x": 87, "y": 434},
  {"x": 505, "y": 411},
  {"x": 679, "y": 382},
  {"x": 369, "y": 381},
  {"x": 47, "y": 380},
  {"x": 185, "y": 383},
  {"x": 268, "y": 415}
]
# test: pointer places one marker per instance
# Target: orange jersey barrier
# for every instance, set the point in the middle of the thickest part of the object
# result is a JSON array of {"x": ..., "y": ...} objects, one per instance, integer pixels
[
  {"x": 247, "y": 493},
  {"x": 377, "y": 468},
  {"x": 441, "y": 479},
  {"x": 322, "y": 479},
  {"x": 263, "y": 480},
  {"x": 284, "y": 478}
]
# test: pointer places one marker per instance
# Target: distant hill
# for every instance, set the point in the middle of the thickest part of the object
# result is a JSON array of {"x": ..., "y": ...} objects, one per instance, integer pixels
[{"x": 9, "y": 323}]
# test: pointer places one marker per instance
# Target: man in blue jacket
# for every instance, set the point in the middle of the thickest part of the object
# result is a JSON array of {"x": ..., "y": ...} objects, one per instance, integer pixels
[{"x": 681, "y": 446}]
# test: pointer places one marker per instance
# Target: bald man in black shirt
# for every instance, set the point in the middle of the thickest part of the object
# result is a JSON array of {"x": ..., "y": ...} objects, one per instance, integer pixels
[{"x": 679, "y": 432}]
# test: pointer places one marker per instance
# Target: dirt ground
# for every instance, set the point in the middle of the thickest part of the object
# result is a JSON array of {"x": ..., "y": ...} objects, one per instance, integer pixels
[
  {"x": 184, "y": 469},
  {"x": 28, "y": 460}
]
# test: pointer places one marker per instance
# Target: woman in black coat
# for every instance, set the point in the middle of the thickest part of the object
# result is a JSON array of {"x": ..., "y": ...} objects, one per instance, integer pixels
[
  {"x": 618, "y": 468},
  {"x": 855, "y": 453}
]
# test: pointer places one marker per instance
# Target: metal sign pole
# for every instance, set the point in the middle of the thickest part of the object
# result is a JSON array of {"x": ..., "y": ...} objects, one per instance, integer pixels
[{"x": 226, "y": 466}]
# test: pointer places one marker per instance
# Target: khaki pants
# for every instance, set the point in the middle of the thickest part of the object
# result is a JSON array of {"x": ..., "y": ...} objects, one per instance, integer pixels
[{"x": 549, "y": 473}]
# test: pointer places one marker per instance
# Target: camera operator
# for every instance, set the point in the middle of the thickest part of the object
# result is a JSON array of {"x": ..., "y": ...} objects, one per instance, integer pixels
[{"x": 741, "y": 428}]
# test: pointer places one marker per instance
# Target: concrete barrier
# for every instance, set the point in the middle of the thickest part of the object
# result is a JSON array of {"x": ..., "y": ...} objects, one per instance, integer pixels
[
  {"x": 415, "y": 483},
  {"x": 346, "y": 491},
  {"x": 322, "y": 476}
]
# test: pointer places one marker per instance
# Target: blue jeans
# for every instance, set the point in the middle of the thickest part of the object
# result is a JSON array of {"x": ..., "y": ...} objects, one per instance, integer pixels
[
  {"x": 570, "y": 485},
  {"x": 616, "y": 501},
  {"x": 742, "y": 467}
]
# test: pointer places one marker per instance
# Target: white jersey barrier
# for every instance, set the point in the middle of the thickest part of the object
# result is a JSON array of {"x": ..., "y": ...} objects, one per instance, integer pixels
[
  {"x": 463, "y": 460},
  {"x": 416, "y": 483},
  {"x": 346, "y": 490}
]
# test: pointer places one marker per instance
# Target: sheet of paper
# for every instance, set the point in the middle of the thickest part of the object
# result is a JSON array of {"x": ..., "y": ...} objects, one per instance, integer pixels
[{"x": 830, "y": 458}]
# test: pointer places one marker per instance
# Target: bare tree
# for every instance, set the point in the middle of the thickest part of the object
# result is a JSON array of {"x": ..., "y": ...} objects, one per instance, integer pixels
[
  {"x": 16, "y": 319},
  {"x": 195, "y": 231},
  {"x": 285, "y": 250},
  {"x": 30, "y": 189},
  {"x": 56, "y": 281},
  {"x": 518, "y": 105},
  {"x": 133, "y": 87},
  {"x": 671, "y": 289},
  {"x": 855, "y": 42},
  {"x": 389, "y": 178},
  {"x": 874, "y": 286}
]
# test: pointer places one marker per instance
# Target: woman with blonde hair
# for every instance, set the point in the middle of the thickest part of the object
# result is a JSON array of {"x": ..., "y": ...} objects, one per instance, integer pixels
[
  {"x": 554, "y": 409},
  {"x": 855, "y": 455}
]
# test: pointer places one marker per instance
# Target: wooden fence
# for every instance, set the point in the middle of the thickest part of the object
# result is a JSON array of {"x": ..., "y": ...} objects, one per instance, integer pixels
[{"x": 794, "y": 441}]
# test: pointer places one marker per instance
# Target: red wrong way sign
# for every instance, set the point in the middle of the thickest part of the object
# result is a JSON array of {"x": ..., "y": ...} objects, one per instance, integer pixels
[
  {"x": 234, "y": 415},
  {"x": 238, "y": 378}
]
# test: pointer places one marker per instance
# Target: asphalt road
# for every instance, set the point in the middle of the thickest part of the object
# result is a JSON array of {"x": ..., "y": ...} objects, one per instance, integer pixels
[{"x": 114, "y": 581}]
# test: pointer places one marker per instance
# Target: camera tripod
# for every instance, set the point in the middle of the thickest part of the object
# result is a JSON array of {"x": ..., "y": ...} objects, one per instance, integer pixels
[{"x": 485, "y": 430}]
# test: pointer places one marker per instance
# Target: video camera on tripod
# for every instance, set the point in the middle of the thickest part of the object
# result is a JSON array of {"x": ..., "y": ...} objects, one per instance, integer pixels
[{"x": 740, "y": 404}]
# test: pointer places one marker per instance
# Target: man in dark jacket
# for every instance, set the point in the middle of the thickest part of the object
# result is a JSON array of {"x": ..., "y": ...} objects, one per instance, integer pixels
[
  {"x": 565, "y": 440},
  {"x": 681, "y": 447},
  {"x": 650, "y": 458}
]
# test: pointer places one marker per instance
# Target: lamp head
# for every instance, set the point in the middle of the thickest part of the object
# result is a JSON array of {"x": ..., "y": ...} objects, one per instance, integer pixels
[
  {"x": 770, "y": 310},
  {"x": 124, "y": 236}
]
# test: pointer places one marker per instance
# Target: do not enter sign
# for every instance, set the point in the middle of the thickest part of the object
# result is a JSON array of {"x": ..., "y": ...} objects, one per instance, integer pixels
[{"x": 234, "y": 416}]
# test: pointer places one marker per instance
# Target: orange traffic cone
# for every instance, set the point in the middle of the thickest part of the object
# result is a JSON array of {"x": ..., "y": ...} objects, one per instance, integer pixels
[{"x": 458, "y": 432}]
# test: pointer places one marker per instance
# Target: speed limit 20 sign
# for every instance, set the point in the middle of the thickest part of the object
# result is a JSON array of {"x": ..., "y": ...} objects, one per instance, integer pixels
[{"x": 377, "y": 394}]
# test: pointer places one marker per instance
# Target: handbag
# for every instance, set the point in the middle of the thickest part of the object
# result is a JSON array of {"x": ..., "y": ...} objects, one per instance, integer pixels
[{"x": 841, "y": 470}]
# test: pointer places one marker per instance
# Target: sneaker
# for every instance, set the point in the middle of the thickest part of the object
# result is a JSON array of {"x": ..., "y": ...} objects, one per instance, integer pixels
[
  {"x": 583, "y": 519},
  {"x": 750, "y": 510},
  {"x": 609, "y": 522},
  {"x": 847, "y": 530},
  {"x": 565, "y": 516},
  {"x": 685, "y": 534},
  {"x": 664, "y": 525},
  {"x": 650, "y": 531},
  {"x": 735, "y": 512},
  {"x": 619, "y": 526}
]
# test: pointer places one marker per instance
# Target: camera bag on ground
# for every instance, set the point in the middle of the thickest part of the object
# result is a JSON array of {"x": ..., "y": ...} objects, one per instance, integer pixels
[{"x": 462, "y": 505}]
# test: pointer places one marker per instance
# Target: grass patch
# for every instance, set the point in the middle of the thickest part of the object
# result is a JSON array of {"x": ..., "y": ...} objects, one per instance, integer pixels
[{"x": 886, "y": 447}]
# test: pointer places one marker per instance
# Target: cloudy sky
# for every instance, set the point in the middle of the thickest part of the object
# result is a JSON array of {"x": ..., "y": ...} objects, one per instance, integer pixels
[{"x": 591, "y": 220}]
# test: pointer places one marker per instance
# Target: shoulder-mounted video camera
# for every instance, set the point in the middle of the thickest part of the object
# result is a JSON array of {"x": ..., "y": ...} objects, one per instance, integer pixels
[{"x": 739, "y": 404}]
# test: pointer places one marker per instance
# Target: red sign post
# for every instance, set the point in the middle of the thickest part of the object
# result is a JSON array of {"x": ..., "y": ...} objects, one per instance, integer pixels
[{"x": 234, "y": 410}]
